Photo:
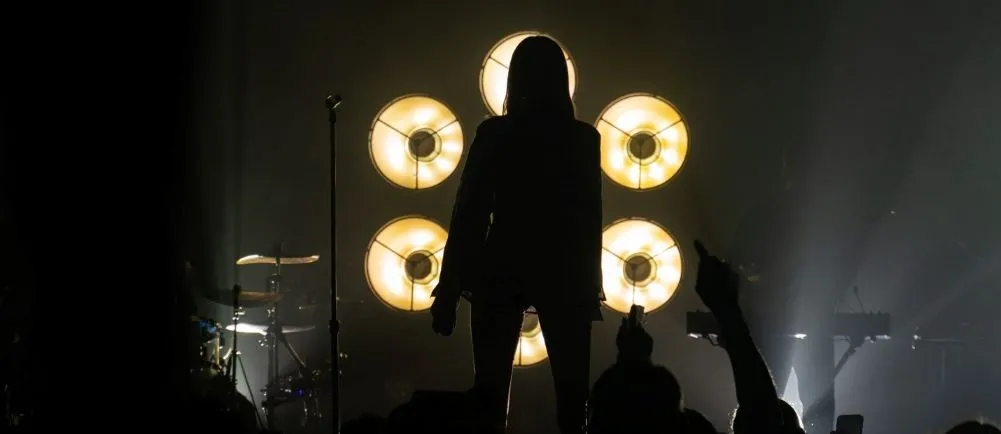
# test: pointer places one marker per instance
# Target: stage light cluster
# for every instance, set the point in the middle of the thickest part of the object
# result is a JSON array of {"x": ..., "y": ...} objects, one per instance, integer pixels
[
  {"x": 403, "y": 262},
  {"x": 640, "y": 265},
  {"x": 644, "y": 141},
  {"x": 416, "y": 142}
]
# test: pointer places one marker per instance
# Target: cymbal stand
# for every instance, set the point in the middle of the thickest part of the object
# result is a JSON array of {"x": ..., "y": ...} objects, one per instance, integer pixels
[
  {"x": 275, "y": 336},
  {"x": 237, "y": 311},
  {"x": 274, "y": 286},
  {"x": 238, "y": 358}
]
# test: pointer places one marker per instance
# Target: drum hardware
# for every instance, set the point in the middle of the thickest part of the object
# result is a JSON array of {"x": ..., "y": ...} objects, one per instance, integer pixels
[
  {"x": 260, "y": 329},
  {"x": 231, "y": 362},
  {"x": 246, "y": 380},
  {"x": 215, "y": 400},
  {"x": 233, "y": 355},
  {"x": 214, "y": 374},
  {"x": 245, "y": 299},
  {"x": 277, "y": 260},
  {"x": 237, "y": 309},
  {"x": 206, "y": 360},
  {"x": 299, "y": 387},
  {"x": 274, "y": 333}
]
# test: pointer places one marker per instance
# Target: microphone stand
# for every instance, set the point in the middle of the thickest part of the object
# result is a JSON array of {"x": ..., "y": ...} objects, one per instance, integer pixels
[
  {"x": 332, "y": 101},
  {"x": 231, "y": 363}
]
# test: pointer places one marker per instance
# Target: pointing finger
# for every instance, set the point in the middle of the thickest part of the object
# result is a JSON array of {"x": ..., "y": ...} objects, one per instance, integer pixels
[{"x": 701, "y": 249}]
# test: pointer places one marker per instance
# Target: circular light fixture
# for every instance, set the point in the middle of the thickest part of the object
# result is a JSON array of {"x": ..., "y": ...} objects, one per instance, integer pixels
[
  {"x": 415, "y": 142},
  {"x": 493, "y": 72},
  {"x": 644, "y": 141},
  {"x": 640, "y": 264},
  {"x": 403, "y": 262},
  {"x": 531, "y": 345}
]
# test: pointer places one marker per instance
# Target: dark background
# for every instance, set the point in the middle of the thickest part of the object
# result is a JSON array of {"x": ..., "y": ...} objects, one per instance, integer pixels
[{"x": 857, "y": 138}]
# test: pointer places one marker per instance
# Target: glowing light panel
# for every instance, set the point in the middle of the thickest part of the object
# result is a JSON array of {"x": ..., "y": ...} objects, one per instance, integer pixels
[
  {"x": 403, "y": 262},
  {"x": 644, "y": 141},
  {"x": 415, "y": 142},
  {"x": 493, "y": 73},
  {"x": 531, "y": 345},
  {"x": 640, "y": 264}
]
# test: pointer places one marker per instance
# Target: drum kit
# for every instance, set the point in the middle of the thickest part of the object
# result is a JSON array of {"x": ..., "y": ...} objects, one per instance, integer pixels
[{"x": 217, "y": 363}]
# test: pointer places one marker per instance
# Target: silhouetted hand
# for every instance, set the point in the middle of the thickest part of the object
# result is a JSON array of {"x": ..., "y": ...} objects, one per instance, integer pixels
[
  {"x": 717, "y": 284},
  {"x": 443, "y": 310},
  {"x": 634, "y": 343}
]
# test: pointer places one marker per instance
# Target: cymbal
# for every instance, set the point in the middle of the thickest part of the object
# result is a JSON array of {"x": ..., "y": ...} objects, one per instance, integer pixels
[
  {"x": 262, "y": 329},
  {"x": 271, "y": 260},
  {"x": 247, "y": 298}
]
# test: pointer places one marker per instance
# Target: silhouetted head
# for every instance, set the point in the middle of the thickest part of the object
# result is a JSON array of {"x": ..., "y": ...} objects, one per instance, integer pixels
[
  {"x": 696, "y": 423},
  {"x": 538, "y": 81},
  {"x": 974, "y": 427},
  {"x": 790, "y": 420},
  {"x": 637, "y": 399}
]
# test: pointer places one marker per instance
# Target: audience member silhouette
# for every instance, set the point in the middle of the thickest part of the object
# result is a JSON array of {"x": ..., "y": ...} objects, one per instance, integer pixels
[
  {"x": 498, "y": 212},
  {"x": 696, "y": 423},
  {"x": 975, "y": 427},
  {"x": 634, "y": 395},
  {"x": 790, "y": 420}
]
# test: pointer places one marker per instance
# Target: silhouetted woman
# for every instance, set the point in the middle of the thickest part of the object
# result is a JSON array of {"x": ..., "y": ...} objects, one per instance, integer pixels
[{"x": 526, "y": 234}]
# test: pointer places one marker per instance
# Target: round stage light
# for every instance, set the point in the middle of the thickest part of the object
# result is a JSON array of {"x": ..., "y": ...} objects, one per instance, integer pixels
[
  {"x": 531, "y": 346},
  {"x": 493, "y": 72},
  {"x": 644, "y": 141},
  {"x": 403, "y": 262},
  {"x": 415, "y": 142},
  {"x": 640, "y": 264}
]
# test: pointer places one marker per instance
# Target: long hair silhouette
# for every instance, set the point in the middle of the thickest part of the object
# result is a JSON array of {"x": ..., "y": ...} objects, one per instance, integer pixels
[{"x": 538, "y": 81}]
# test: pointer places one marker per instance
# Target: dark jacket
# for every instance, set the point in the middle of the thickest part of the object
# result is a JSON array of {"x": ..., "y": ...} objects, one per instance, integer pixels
[{"x": 526, "y": 225}]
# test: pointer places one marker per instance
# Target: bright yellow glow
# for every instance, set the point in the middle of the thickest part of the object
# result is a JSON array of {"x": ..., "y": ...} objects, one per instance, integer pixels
[
  {"x": 640, "y": 264},
  {"x": 403, "y": 262},
  {"x": 262, "y": 329},
  {"x": 396, "y": 147},
  {"x": 531, "y": 347},
  {"x": 624, "y": 123},
  {"x": 271, "y": 260},
  {"x": 493, "y": 73}
]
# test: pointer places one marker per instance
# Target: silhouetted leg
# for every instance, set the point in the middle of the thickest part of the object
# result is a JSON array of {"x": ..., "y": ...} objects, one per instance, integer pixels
[
  {"x": 568, "y": 341},
  {"x": 495, "y": 339}
]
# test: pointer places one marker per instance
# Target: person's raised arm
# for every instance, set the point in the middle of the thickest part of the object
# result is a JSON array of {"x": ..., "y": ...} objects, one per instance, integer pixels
[{"x": 717, "y": 285}]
